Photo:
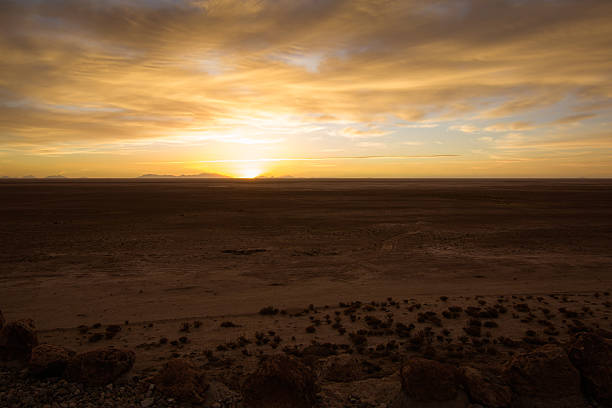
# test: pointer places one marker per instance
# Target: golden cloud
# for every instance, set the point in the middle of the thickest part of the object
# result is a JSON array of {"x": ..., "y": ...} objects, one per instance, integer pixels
[{"x": 120, "y": 71}]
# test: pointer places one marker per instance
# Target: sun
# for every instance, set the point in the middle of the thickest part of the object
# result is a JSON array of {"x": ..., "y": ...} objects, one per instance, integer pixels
[{"x": 249, "y": 173}]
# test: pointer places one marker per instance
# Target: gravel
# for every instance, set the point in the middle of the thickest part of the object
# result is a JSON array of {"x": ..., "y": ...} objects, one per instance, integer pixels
[{"x": 19, "y": 389}]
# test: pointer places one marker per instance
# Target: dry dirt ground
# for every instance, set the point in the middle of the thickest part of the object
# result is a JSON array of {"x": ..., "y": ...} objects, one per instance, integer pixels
[{"x": 166, "y": 259}]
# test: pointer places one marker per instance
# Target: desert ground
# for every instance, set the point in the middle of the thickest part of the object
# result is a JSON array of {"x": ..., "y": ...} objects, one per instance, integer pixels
[{"x": 183, "y": 268}]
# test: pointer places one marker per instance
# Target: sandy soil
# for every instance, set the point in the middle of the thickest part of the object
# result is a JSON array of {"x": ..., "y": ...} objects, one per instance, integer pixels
[{"x": 155, "y": 255}]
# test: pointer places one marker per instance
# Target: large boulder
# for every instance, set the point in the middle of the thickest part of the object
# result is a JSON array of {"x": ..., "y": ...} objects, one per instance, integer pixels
[
  {"x": 17, "y": 339},
  {"x": 48, "y": 360},
  {"x": 100, "y": 367},
  {"x": 544, "y": 377},
  {"x": 592, "y": 355},
  {"x": 280, "y": 381},
  {"x": 181, "y": 380},
  {"x": 486, "y": 387},
  {"x": 427, "y": 380}
]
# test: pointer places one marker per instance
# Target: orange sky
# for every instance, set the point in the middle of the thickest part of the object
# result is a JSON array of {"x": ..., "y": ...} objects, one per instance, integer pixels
[{"x": 376, "y": 88}]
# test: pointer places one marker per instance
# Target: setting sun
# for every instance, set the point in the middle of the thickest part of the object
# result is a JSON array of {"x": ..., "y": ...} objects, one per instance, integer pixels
[{"x": 249, "y": 173}]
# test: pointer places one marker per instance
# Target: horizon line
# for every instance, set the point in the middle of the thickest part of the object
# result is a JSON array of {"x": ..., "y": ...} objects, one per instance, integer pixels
[{"x": 226, "y": 178}]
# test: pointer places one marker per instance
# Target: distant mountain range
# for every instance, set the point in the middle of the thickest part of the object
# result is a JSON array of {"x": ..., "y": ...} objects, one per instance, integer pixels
[{"x": 201, "y": 175}]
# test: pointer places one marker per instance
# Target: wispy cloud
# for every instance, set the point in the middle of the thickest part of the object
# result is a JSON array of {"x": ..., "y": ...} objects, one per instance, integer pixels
[
  {"x": 465, "y": 128},
  {"x": 353, "y": 133},
  {"x": 511, "y": 126},
  {"x": 418, "y": 125},
  {"x": 572, "y": 119},
  {"x": 556, "y": 142},
  {"x": 325, "y": 158}
]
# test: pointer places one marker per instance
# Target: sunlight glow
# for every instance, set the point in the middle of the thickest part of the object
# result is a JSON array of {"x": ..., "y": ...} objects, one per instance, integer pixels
[{"x": 250, "y": 172}]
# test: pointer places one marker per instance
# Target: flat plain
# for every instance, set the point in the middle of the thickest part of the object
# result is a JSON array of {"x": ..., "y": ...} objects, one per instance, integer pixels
[{"x": 78, "y": 250}]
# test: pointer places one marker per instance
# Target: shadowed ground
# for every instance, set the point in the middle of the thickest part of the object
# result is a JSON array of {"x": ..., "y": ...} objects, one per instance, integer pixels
[{"x": 77, "y": 251}]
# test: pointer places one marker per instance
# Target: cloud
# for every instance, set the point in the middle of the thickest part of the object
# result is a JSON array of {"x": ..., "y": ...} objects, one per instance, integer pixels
[
  {"x": 555, "y": 142},
  {"x": 465, "y": 128},
  {"x": 544, "y": 98},
  {"x": 115, "y": 72},
  {"x": 413, "y": 116},
  {"x": 572, "y": 119},
  {"x": 370, "y": 144},
  {"x": 147, "y": 58},
  {"x": 353, "y": 133},
  {"x": 513, "y": 126},
  {"x": 418, "y": 125},
  {"x": 327, "y": 158}
]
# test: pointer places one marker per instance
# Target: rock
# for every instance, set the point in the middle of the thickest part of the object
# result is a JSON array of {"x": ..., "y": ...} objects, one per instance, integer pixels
[
  {"x": 342, "y": 368},
  {"x": 147, "y": 402},
  {"x": 17, "y": 339},
  {"x": 181, "y": 380},
  {"x": 220, "y": 395},
  {"x": 319, "y": 350},
  {"x": 428, "y": 380},
  {"x": 544, "y": 377},
  {"x": 280, "y": 381},
  {"x": 48, "y": 360},
  {"x": 100, "y": 367},
  {"x": 606, "y": 334},
  {"x": 592, "y": 355},
  {"x": 486, "y": 388}
]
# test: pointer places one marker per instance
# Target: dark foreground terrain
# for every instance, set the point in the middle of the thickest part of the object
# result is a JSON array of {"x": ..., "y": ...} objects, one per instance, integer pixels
[{"x": 495, "y": 291}]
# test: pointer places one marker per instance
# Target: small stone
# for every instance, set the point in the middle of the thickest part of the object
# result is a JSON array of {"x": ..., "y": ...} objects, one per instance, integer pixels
[
  {"x": 342, "y": 368},
  {"x": 428, "y": 380},
  {"x": 486, "y": 387},
  {"x": 592, "y": 355},
  {"x": 17, "y": 339},
  {"x": 181, "y": 379},
  {"x": 280, "y": 381},
  {"x": 147, "y": 402}
]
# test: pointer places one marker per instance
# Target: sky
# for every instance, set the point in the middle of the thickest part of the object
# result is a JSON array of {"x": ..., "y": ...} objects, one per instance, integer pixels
[{"x": 306, "y": 88}]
